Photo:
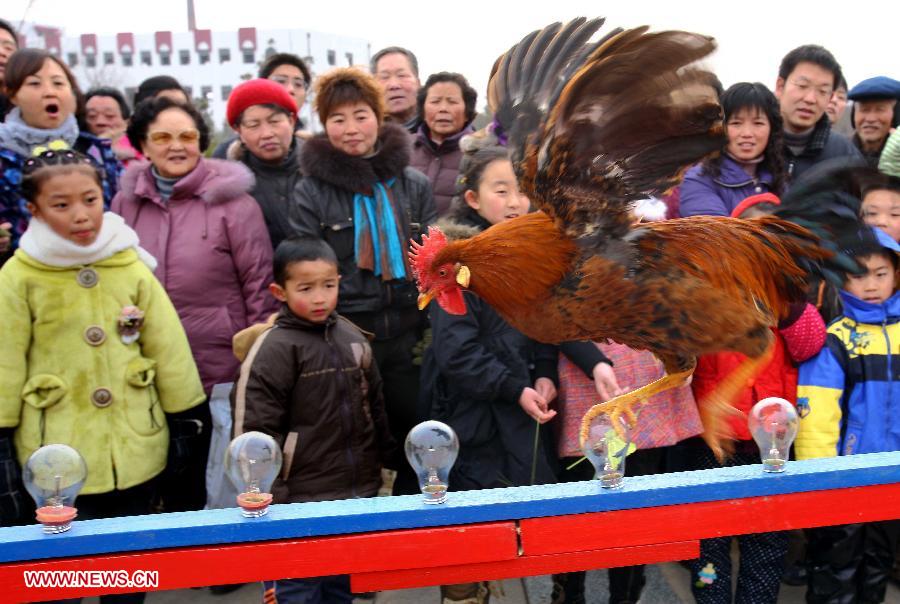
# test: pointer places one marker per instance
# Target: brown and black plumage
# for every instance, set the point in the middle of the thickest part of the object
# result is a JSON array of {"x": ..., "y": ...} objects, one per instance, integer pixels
[{"x": 592, "y": 127}]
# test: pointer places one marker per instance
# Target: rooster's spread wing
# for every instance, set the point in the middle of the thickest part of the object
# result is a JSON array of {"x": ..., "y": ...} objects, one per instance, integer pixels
[{"x": 595, "y": 126}]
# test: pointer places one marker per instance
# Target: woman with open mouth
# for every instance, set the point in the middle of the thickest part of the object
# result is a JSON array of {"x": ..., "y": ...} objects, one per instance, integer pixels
[{"x": 44, "y": 94}]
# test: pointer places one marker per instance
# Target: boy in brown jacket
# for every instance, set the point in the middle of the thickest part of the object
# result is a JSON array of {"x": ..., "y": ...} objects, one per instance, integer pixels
[{"x": 310, "y": 381}]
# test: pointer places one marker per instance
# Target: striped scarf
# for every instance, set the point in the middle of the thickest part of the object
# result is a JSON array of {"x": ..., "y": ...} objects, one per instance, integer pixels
[{"x": 378, "y": 236}]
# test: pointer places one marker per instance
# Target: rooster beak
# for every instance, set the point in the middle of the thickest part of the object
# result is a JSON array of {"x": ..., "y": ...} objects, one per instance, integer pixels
[
  {"x": 463, "y": 275},
  {"x": 425, "y": 298}
]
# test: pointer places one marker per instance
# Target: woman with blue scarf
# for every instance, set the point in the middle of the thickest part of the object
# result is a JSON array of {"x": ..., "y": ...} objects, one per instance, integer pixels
[
  {"x": 360, "y": 195},
  {"x": 44, "y": 94}
]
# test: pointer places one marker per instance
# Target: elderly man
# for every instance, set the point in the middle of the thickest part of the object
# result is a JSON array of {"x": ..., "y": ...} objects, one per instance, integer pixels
[
  {"x": 9, "y": 43},
  {"x": 263, "y": 113},
  {"x": 397, "y": 71},
  {"x": 874, "y": 113},
  {"x": 806, "y": 80}
]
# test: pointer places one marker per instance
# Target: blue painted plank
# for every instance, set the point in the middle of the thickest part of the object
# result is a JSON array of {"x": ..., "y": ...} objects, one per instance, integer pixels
[{"x": 137, "y": 533}]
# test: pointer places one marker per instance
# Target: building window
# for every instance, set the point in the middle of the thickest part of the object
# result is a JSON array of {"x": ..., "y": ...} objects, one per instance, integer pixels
[
  {"x": 130, "y": 92},
  {"x": 226, "y": 92},
  {"x": 146, "y": 57},
  {"x": 165, "y": 59},
  {"x": 184, "y": 57},
  {"x": 72, "y": 58},
  {"x": 249, "y": 56},
  {"x": 128, "y": 60},
  {"x": 109, "y": 58},
  {"x": 90, "y": 61},
  {"x": 224, "y": 55},
  {"x": 332, "y": 57},
  {"x": 205, "y": 92},
  {"x": 203, "y": 56},
  {"x": 190, "y": 91},
  {"x": 349, "y": 56}
]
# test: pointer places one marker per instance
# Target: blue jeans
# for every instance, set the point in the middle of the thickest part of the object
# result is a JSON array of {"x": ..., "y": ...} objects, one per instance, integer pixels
[{"x": 316, "y": 590}]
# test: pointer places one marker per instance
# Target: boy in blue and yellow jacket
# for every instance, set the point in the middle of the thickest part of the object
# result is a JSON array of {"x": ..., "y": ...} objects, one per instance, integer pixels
[{"x": 848, "y": 403}]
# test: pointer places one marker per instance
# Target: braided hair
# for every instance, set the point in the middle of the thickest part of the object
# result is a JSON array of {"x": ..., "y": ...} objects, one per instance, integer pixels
[{"x": 38, "y": 169}]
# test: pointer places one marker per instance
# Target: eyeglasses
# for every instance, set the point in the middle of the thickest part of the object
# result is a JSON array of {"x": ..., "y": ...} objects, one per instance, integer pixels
[
  {"x": 185, "y": 137},
  {"x": 284, "y": 81},
  {"x": 804, "y": 86},
  {"x": 274, "y": 120}
]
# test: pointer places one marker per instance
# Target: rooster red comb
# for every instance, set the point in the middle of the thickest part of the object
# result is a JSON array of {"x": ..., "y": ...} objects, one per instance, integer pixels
[{"x": 422, "y": 255}]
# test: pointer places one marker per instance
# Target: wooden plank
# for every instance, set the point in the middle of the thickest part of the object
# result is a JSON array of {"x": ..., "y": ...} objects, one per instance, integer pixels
[
  {"x": 294, "y": 521},
  {"x": 625, "y": 528},
  {"x": 244, "y": 563},
  {"x": 525, "y": 566}
]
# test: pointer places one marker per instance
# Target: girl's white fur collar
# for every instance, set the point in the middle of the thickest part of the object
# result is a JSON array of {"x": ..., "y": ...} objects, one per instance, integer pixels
[{"x": 43, "y": 244}]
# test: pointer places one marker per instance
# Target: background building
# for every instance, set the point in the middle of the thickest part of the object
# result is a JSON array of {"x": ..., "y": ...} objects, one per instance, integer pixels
[{"x": 208, "y": 63}]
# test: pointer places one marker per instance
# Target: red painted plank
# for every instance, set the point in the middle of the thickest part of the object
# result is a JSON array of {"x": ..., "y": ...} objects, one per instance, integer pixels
[
  {"x": 525, "y": 566},
  {"x": 188, "y": 567},
  {"x": 625, "y": 528}
]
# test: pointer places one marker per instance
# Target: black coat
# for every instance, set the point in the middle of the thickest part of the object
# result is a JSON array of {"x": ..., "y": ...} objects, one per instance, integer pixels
[
  {"x": 275, "y": 187},
  {"x": 323, "y": 207},
  {"x": 823, "y": 145},
  {"x": 472, "y": 376}
]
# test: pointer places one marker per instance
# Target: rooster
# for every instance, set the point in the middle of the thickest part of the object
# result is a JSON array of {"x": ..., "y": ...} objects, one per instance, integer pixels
[{"x": 592, "y": 127}]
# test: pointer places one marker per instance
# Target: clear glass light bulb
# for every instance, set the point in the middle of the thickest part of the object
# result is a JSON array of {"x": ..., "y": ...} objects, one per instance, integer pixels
[
  {"x": 252, "y": 463},
  {"x": 773, "y": 423},
  {"x": 431, "y": 448},
  {"x": 53, "y": 476},
  {"x": 607, "y": 449}
]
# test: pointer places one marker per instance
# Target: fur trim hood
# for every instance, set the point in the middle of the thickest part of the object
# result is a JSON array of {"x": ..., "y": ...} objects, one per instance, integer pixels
[
  {"x": 213, "y": 180},
  {"x": 456, "y": 231},
  {"x": 320, "y": 159}
]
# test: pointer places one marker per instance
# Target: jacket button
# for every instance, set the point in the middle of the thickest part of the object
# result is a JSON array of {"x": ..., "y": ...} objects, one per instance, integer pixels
[
  {"x": 87, "y": 277},
  {"x": 101, "y": 397},
  {"x": 94, "y": 335}
]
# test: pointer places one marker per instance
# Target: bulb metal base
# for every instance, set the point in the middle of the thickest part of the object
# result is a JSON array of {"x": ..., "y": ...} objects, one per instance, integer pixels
[
  {"x": 434, "y": 494},
  {"x": 611, "y": 480},
  {"x": 774, "y": 465}
]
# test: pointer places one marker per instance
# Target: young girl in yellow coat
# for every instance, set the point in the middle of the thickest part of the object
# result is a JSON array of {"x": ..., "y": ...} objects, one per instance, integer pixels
[{"x": 94, "y": 355}]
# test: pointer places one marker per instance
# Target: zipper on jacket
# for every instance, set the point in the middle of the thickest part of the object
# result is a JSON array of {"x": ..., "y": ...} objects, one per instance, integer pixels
[
  {"x": 346, "y": 409},
  {"x": 890, "y": 374}
]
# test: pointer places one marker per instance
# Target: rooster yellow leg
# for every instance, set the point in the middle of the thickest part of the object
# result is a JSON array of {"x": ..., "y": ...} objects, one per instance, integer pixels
[
  {"x": 715, "y": 407},
  {"x": 623, "y": 403}
]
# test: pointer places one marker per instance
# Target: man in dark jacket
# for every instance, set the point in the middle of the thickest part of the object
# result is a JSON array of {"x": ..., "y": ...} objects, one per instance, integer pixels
[
  {"x": 263, "y": 114},
  {"x": 9, "y": 43},
  {"x": 875, "y": 111},
  {"x": 397, "y": 72},
  {"x": 806, "y": 79}
]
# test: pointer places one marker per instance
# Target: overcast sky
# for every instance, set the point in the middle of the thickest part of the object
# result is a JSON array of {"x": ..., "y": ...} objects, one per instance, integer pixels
[{"x": 466, "y": 35}]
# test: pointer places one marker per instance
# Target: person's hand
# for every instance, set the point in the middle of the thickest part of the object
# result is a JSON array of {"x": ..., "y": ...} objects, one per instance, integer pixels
[
  {"x": 535, "y": 405},
  {"x": 605, "y": 381},
  {"x": 546, "y": 388},
  {"x": 5, "y": 237}
]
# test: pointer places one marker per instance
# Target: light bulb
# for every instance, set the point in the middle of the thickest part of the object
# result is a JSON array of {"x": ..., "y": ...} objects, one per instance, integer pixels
[
  {"x": 773, "y": 423},
  {"x": 252, "y": 463},
  {"x": 607, "y": 449},
  {"x": 431, "y": 448},
  {"x": 53, "y": 476}
]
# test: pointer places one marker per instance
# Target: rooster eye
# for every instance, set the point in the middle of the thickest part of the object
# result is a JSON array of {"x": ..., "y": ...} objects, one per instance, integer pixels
[{"x": 442, "y": 272}]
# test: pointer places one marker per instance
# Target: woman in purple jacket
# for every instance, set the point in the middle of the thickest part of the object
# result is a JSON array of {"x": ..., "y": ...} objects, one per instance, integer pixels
[
  {"x": 751, "y": 161},
  {"x": 215, "y": 259},
  {"x": 447, "y": 106}
]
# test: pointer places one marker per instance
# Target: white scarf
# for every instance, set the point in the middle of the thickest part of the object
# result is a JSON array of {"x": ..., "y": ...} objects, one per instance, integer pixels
[{"x": 44, "y": 245}]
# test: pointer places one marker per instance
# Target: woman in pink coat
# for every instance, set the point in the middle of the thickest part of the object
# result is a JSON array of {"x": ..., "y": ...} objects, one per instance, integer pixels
[{"x": 214, "y": 260}]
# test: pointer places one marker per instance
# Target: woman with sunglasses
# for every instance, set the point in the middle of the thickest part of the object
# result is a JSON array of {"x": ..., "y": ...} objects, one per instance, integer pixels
[{"x": 215, "y": 261}]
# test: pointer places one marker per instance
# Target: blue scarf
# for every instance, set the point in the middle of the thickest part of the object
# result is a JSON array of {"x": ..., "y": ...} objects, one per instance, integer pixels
[{"x": 377, "y": 234}]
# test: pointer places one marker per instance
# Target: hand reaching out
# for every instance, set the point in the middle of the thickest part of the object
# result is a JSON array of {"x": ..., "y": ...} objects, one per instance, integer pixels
[
  {"x": 535, "y": 405},
  {"x": 605, "y": 381}
]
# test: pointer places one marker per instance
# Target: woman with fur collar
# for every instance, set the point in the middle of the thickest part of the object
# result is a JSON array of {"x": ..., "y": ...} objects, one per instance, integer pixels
[{"x": 360, "y": 195}]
